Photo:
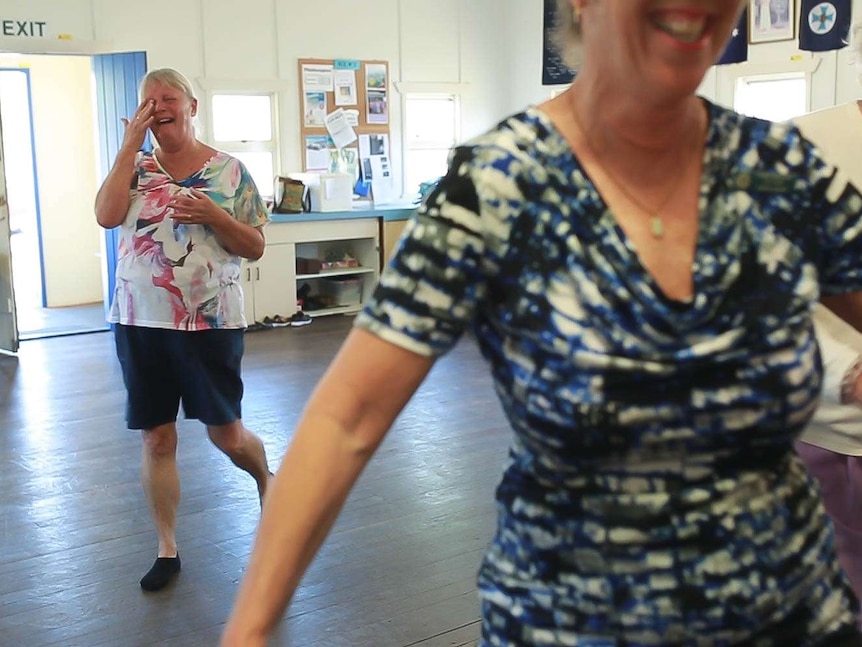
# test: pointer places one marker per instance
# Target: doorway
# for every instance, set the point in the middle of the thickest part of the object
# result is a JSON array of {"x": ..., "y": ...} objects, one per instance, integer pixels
[{"x": 51, "y": 169}]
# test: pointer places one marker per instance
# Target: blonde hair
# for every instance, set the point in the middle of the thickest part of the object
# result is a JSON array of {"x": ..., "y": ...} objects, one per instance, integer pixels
[
  {"x": 566, "y": 34},
  {"x": 168, "y": 76}
]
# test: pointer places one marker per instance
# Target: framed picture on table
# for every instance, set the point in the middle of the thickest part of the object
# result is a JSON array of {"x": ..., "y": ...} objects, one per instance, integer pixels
[{"x": 771, "y": 20}]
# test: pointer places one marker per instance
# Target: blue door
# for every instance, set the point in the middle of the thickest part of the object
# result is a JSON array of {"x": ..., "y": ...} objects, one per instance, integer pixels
[{"x": 117, "y": 77}]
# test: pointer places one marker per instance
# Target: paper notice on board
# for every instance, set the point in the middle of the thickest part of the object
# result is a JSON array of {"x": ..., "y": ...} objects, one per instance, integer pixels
[
  {"x": 352, "y": 117},
  {"x": 317, "y": 155},
  {"x": 373, "y": 145},
  {"x": 317, "y": 78},
  {"x": 378, "y": 110},
  {"x": 345, "y": 87},
  {"x": 315, "y": 108},
  {"x": 364, "y": 147},
  {"x": 340, "y": 131},
  {"x": 382, "y": 187}
]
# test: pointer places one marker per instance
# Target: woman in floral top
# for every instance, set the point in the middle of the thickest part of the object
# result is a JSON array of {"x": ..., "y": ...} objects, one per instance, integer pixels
[{"x": 188, "y": 214}]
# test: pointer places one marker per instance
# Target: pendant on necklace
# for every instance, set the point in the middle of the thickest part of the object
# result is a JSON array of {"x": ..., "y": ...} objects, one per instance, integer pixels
[{"x": 656, "y": 227}]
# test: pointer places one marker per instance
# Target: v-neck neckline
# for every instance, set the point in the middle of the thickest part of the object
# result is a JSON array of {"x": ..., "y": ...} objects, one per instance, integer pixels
[
  {"x": 606, "y": 222},
  {"x": 205, "y": 165}
]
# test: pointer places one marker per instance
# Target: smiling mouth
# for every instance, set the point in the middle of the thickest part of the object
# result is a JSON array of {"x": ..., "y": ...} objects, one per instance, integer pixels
[{"x": 684, "y": 27}]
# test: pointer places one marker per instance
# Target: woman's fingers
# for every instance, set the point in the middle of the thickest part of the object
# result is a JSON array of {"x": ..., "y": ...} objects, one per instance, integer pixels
[
  {"x": 200, "y": 195},
  {"x": 146, "y": 108},
  {"x": 143, "y": 116}
]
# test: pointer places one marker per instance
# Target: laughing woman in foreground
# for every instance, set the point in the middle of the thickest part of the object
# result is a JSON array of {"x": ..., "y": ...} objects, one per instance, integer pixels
[{"x": 639, "y": 266}]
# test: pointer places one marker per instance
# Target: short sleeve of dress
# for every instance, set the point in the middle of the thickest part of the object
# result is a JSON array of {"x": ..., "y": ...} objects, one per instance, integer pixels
[
  {"x": 837, "y": 204},
  {"x": 428, "y": 294},
  {"x": 249, "y": 207}
]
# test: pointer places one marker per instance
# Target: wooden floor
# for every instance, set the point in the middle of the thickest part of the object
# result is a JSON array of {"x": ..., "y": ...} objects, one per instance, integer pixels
[
  {"x": 36, "y": 322},
  {"x": 75, "y": 536}
]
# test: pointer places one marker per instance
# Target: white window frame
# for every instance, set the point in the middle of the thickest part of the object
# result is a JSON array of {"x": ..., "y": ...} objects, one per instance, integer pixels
[
  {"x": 426, "y": 145},
  {"x": 721, "y": 83},
  {"x": 242, "y": 146},
  {"x": 745, "y": 79}
]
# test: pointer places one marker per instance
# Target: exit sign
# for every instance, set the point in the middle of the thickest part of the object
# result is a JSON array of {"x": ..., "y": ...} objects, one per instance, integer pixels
[{"x": 28, "y": 28}]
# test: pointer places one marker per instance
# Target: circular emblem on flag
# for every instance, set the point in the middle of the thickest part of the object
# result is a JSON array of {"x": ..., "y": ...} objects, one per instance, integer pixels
[{"x": 821, "y": 19}]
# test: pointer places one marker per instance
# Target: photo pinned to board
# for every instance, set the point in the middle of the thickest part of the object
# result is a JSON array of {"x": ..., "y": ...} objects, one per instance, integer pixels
[
  {"x": 319, "y": 151},
  {"x": 315, "y": 109},
  {"x": 376, "y": 97}
]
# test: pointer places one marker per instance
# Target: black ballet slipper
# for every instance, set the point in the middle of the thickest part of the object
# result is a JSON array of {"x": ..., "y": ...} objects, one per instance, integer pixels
[{"x": 160, "y": 575}]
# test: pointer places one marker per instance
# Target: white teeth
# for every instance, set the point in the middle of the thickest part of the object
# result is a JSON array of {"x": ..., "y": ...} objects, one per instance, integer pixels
[{"x": 683, "y": 28}]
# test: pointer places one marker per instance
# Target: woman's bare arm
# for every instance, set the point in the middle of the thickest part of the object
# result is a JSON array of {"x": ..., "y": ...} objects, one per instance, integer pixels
[
  {"x": 349, "y": 413},
  {"x": 112, "y": 200}
]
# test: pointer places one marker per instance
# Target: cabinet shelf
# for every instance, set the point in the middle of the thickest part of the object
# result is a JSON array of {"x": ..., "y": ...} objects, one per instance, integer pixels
[
  {"x": 270, "y": 284},
  {"x": 341, "y": 271}
]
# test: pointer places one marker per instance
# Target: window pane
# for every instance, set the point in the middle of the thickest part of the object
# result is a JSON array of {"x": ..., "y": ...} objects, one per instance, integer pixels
[
  {"x": 242, "y": 117},
  {"x": 423, "y": 166},
  {"x": 430, "y": 119},
  {"x": 772, "y": 99},
  {"x": 260, "y": 167}
]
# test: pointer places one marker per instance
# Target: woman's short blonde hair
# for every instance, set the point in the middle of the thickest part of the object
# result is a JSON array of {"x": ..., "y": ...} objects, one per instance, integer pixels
[
  {"x": 566, "y": 34},
  {"x": 168, "y": 76}
]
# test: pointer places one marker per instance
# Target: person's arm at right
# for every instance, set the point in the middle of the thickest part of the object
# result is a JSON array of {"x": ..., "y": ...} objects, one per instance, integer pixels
[
  {"x": 112, "y": 200},
  {"x": 841, "y": 353},
  {"x": 349, "y": 413}
]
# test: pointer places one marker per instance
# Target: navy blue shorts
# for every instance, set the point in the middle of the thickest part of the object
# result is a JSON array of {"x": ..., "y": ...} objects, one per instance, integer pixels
[{"x": 162, "y": 368}]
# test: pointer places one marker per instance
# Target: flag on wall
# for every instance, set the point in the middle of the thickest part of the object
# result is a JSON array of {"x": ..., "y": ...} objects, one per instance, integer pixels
[
  {"x": 554, "y": 71},
  {"x": 823, "y": 24},
  {"x": 737, "y": 47}
]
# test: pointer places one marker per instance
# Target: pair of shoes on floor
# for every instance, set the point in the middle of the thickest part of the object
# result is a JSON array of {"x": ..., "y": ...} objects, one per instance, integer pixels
[
  {"x": 299, "y": 318},
  {"x": 257, "y": 326},
  {"x": 277, "y": 321},
  {"x": 164, "y": 570}
]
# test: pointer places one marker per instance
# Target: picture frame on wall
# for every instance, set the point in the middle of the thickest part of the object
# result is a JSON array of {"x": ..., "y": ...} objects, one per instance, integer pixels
[{"x": 771, "y": 20}]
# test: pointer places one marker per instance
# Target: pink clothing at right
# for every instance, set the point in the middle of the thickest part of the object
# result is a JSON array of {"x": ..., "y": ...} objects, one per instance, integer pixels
[{"x": 840, "y": 480}]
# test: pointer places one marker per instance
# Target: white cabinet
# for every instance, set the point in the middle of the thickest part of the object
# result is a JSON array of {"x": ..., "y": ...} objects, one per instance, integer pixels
[
  {"x": 266, "y": 283},
  {"x": 270, "y": 285},
  {"x": 341, "y": 290}
]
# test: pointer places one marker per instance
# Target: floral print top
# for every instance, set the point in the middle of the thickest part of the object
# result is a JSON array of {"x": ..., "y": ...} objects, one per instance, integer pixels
[
  {"x": 178, "y": 276},
  {"x": 651, "y": 496}
]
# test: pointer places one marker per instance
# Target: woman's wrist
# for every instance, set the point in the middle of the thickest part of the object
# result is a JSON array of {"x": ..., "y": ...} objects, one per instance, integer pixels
[{"x": 236, "y": 636}]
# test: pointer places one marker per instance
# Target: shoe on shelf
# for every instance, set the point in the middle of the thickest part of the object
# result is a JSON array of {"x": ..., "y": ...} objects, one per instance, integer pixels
[
  {"x": 303, "y": 291},
  {"x": 299, "y": 318}
]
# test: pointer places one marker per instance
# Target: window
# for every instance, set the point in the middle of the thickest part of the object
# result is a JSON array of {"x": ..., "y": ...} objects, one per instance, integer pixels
[
  {"x": 776, "y": 97},
  {"x": 430, "y": 132},
  {"x": 244, "y": 126}
]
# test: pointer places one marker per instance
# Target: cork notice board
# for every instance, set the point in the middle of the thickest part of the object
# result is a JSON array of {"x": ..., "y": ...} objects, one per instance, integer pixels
[{"x": 360, "y": 88}]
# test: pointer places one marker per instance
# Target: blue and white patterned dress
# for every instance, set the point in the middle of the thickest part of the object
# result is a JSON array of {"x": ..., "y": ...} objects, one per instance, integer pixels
[{"x": 651, "y": 496}]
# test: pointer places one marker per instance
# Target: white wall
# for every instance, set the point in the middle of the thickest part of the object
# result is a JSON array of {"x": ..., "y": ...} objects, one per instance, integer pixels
[
  {"x": 488, "y": 51},
  {"x": 222, "y": 45},
  {"x": 64, "y": 133},
  {"x": 833, "y": 79}
]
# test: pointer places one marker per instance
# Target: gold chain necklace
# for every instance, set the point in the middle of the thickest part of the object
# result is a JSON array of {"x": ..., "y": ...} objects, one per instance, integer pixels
[{"x": 656, "y": 225}]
